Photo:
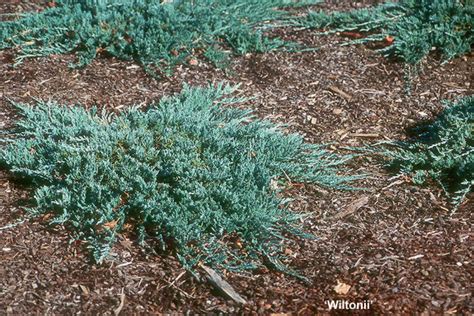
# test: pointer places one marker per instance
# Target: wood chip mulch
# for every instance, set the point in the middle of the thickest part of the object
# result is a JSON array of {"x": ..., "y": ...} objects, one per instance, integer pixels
[{"x": 394, "y": 244}]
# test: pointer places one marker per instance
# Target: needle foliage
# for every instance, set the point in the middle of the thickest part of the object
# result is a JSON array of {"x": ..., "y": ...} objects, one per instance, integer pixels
[
  {"x": 416, "y": 27},
  {"x": 147, "y": 31},
  {"x": 442, "y": 151},
  {"x": 201, "y": 179}
]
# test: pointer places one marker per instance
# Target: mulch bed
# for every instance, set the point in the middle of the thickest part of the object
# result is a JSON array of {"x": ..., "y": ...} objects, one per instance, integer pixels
[{"x": 395, "y": 244}]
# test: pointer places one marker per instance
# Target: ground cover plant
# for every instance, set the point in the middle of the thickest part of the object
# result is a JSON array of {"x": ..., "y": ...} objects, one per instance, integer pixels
[
  {"x": 395, "y": 244},
  {"x": 408, "y": 29},
  {"x": 200, "y": 178},
  {"x": 147, "y": 31},
  {"x": 442, "y": 151}
]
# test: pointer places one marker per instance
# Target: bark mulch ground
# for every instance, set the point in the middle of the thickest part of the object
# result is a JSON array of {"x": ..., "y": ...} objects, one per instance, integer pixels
[{"x": 394, "y": 244}]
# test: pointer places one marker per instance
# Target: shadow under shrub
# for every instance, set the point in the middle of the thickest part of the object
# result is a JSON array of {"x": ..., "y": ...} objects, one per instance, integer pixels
[
  {"x": 442, "y": 151},
  {"x": 202, "y": 179}
]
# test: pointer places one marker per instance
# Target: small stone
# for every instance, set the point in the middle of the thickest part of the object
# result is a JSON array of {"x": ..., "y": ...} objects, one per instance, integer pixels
[{"x": 435, "y": 303}]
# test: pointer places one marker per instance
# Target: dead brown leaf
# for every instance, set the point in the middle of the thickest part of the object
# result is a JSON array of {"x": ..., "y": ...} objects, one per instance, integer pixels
[
  {"x": 353, "y": 207},
  {"x": 342, "y": 288}
]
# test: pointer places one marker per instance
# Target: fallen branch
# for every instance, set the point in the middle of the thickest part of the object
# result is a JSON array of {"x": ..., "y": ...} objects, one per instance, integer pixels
[
  {"x": 340, "y": 92},
  {"x": 353, "y": 207},
  {"x": 122, "y": 302},
  {"x": 222, "y": 286},
  {"x": 369, "y": 135}
]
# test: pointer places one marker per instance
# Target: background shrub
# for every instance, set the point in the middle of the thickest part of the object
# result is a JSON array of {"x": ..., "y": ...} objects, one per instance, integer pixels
[
  {"x": 146, "y": 31},
  {"x": 415, "y": 27},
  {"x": 201, "y": 179}
]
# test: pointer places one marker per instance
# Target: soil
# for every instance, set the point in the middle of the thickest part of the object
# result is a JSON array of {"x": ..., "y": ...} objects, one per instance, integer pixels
[{"x": 395, "y": 244}]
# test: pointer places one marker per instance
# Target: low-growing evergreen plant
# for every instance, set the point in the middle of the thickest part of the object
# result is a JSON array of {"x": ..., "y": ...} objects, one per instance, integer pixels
[
  {"x": 198, "y": 177},
  {"x": 147, "y": 31},
  {"x": 442, "y": 151},
  {"x": 410, "y": 29}
]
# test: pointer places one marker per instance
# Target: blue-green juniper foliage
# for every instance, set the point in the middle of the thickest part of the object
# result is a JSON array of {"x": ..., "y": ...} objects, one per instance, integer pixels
[
  {"x": 416, "y": 26},
  {"x": 147, "y": 31},
  {"x": 191, "y": 173},
  {"x": 442, "y": 150}
]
